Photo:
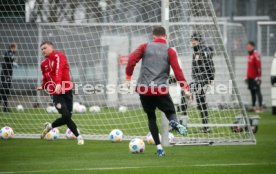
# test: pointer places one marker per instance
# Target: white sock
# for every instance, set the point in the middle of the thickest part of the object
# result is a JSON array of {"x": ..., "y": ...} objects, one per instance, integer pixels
[
  {"x": 50, "y": 126},
  {"x": 159, "y": 147},
  {"x": 79, "y": 137}
]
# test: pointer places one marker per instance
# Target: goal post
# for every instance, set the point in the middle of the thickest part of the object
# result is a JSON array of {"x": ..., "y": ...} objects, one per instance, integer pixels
[{"x": 93, "y": 45}]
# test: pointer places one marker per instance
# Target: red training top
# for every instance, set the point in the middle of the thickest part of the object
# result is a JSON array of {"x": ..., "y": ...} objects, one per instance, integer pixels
[
  {"x": 254, "y": 65},
  {"x": 55, "y": 70}
]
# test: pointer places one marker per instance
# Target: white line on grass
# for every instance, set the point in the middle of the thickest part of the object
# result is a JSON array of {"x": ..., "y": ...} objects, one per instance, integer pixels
[{"x": 124, "y": 168}]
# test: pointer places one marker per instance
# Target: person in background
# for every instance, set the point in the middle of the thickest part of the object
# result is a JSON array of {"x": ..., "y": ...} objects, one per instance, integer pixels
[
  {"x": 203, "y": 74},
  {"x": 6, "y": 75},
  {"x": 253, "y": 77}
]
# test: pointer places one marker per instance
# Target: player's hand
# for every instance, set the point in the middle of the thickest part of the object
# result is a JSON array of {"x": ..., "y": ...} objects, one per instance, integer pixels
[
  {"x": 188, "y": 95},
  {"x": 127, "y": 84},
  {"x": 58, "y": 89},
  {"x": 39, "y": 88},
  {"x": 246, "y": 80},
  {"x": 258, "y": 80}
]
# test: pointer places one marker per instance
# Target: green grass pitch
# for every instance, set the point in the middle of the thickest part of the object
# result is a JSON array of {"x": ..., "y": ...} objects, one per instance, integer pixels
[{"x": 64, "y": 156}]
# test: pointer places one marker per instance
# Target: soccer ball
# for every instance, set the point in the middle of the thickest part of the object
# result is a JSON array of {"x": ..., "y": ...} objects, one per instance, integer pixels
[
  {"x": 115, "y": 136},
  {"x": 54, "y": 110},
  {"x": 51, "y": 110},
  {"x": 81, "y": 109},
  {"x": 150, "y": 139},
  {"x": 171, "y": 137},
  {"x": 69, "y": 134},
  {"x": 95, "y": 109},
  {"x": 76, "y": 106},
  {"x": 19, "y": 108},
  {"x": 136, "y": 145},
  {"x": 122, "y": 109},
  {"x": 53, "y": 134},
  {"x": 6, "y": 133}
]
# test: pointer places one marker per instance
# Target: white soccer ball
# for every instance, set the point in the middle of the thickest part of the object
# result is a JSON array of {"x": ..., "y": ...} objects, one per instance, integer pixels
[
  {"x": 115, "y": 136},
  {"x": 171, "y": 137},
  {"x": 136, "y": 145},
  {"x": 20, "y": 108},
  {"x": 6, "y": 133},
  {"x": 69, "y": 134},
  {"x": 122, "y": 109},
  {"x": 53, "y": 134},
  {"x": 81, "y": 109},
  {"x": 76, "y": 106},
  {"x": 50, "y": 109},
  {"x": 150, "y": 139},
  {"x": 95, "y": 109},
  {"x": 54, "y": 110}
]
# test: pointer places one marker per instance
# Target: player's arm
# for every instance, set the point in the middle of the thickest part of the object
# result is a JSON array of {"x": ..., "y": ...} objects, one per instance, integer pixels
[
  {"x": 44, "y": 80},
  {"x": 134, "y": 58},
  {"x": 209, "y": 64},
  {"x": 178, "y": 73},
  {"x": 257, "y": 61}
]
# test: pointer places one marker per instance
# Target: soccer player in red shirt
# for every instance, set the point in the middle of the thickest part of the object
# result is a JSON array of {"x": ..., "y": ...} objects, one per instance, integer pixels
[
  {"x": 157, "y": 58},
  {"x": 56, "y": 80},
  {"x": 254, "y": 76}
]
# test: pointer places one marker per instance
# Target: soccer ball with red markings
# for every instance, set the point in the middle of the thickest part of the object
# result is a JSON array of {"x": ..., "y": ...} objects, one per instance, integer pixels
[
  {"x": 136, "y": 145},
  {"x": 69, "y": 134},
  {"x": 6, "y": 133},
  {"x": 53, "y": 134}
]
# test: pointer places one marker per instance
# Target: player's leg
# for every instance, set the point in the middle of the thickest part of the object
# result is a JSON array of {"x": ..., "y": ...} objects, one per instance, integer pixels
[
  {"x": 5, "y": 103},
  {"x": 6, "y": 90},
  {"x": 202, "y": 107},
  {"x": 165, "y": 104},
  {"x": 253, "y": 97},
  {"x": 252, "y": 88},
  {"x": 59, "y": 104},
  {"x": 68, "y": 98},
  {"x": 149, "y": 107},
  {"x": 57, "y": 100},
  {"x": 183, "y": 106},
  {"x": 260, "y": 98}
]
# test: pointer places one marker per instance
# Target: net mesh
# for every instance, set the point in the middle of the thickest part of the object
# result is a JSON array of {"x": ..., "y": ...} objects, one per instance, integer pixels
[{"x": 96, "y": 36}]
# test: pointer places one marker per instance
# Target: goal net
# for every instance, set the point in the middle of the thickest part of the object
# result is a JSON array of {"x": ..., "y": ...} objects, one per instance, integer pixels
[{"x": 97, "y": 37}]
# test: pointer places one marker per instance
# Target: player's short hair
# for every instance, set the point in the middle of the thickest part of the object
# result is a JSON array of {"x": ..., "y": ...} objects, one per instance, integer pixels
[
  {"x": 159, "y": 31},
  {"x": 12, "y": 45},
  {"x": 46, "y": 42},
  {"x": 251, "y": 43}
]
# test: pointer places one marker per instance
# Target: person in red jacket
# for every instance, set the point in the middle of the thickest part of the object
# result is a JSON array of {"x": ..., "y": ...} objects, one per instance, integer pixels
[
  {"x": 57, "y": 82},
  {"x": 157, "y": 58},
  {"x": 253, "y": 76}
]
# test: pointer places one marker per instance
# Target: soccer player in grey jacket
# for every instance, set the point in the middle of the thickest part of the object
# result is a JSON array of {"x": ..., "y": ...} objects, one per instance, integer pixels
[{"x": 152, "y": 86}]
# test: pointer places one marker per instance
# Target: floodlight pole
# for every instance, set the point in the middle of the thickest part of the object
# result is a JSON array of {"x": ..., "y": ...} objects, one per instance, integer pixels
[{"x": 165, "y": 23}]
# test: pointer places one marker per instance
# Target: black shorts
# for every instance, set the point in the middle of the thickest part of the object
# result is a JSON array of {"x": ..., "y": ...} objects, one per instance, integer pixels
[
  {"x": 253, "y": 85},
  {"x": 64, "y": 102},
  {"x": 164, "y": 103}
]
